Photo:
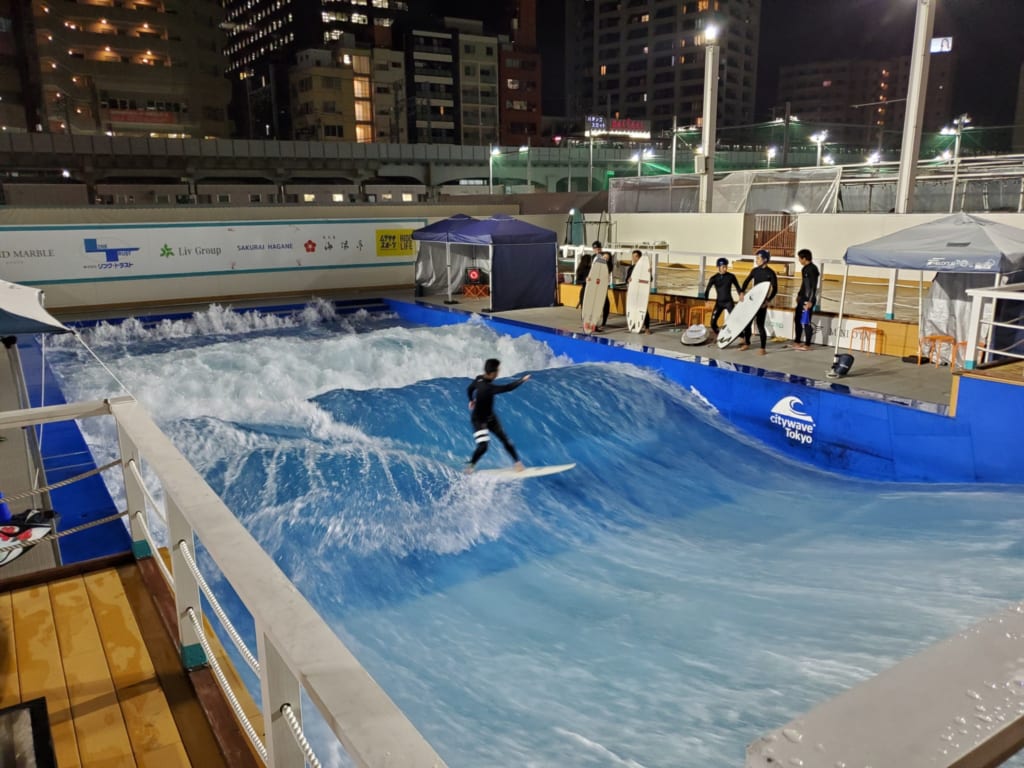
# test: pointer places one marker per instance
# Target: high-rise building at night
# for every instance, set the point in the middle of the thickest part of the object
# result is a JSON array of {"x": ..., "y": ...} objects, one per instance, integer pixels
[
  {"x": 645, "y": 60},
  {"x": 132, "y": 68},
  {"x": 264, "y": 37},
  {"x": 864, "y": 102}
]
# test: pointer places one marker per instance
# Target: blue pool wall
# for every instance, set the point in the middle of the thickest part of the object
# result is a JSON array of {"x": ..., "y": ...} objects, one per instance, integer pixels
[{"x": 856, "y": 433}]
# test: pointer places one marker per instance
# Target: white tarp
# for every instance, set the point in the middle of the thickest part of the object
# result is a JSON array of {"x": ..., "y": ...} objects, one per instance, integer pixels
[{"x": 21, "y": 311}]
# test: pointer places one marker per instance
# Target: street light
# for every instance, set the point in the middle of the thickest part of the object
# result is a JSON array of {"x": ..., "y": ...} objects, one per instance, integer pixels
[
  {"x": 639, "y": 158},
  {"x": 770, "y": 153},
  {"x": 957, "y": 131},
  {"x": 819, "y": 139},
  {"x": 710, "y": 114},
  {"x": 490, "y": 169},
  {"x": 526, "y": 148}
]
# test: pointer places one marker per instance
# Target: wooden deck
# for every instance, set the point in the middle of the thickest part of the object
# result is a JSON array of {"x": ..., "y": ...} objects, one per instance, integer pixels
[{"x": 95, "y": 645}]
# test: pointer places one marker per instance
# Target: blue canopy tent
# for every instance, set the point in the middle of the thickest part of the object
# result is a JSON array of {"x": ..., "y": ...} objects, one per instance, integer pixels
[{"x": 520, "y": 259}]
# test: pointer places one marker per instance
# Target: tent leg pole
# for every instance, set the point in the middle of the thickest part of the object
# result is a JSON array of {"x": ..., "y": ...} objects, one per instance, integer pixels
[{"x": 448, "y": 268}]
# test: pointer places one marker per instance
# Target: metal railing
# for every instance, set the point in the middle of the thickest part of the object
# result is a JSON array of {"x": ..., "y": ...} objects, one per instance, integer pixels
[
  {"x": 296, "y": 650},
  {"x": 995, "y": 330}
]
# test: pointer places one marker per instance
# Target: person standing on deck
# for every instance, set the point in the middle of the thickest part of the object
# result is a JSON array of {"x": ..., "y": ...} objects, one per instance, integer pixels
[
  {"x": 629, "y": 276},
  {"x": 805, "y": 300},
  {"x": 759, "y": 274},
  {"x": 723, "y": 282}
]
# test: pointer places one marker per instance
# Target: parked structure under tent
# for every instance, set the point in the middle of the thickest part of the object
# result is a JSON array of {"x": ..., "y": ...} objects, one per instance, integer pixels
[
  {"x": 519, "y": 259},
  {"x": 963, "y": 251}
]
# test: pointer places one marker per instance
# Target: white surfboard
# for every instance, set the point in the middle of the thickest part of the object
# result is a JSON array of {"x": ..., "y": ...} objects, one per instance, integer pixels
[
  {"x": 510, "y": 473},
  {"x": 638, "y": 294},
  {"x": 743, "y": 313},
  {"x": 593, "y": 298}
]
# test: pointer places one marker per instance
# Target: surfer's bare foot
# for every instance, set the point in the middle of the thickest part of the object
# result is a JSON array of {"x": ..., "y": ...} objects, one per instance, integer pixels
[
  {"x": 762, "y": 352},
  {"x": 744, "y": 347},
  {"x": 468, "y": 469},
  {"x": 519, "y": 466}
]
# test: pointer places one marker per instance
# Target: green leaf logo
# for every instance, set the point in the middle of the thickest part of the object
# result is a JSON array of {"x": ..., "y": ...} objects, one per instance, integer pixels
[{"x": 166, "y": 252}]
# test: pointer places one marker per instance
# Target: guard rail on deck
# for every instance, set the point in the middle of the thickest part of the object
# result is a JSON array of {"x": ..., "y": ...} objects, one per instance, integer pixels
[
  {"x": 984, "y": 320},
  {"x": 297, "y": 651}
]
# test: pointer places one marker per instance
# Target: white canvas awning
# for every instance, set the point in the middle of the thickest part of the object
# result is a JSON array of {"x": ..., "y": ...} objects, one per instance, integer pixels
[{"x": 21, "y": 311}]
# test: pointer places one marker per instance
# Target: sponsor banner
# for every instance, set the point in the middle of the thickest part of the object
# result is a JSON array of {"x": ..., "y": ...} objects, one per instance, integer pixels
[{"x": 37, "y": 254}]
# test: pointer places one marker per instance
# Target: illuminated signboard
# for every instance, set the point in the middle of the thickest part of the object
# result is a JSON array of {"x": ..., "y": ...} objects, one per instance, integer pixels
[
  {"x": 942, "y": 44},
  {"x": 603, "y": 126}
]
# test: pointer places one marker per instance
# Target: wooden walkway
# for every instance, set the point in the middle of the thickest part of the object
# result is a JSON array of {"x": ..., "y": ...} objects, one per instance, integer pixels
[{"x": 95, "y": 646}]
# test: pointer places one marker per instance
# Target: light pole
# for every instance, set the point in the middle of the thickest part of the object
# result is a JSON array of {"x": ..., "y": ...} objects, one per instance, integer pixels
[
  {"x": 526, "y": 148},
  {"x": 957, "y": 131},
  {"x": 770, "y": 153},
  {"x": 819, "y": 139},
  {"x": 707, "y": 172},
  {"x": 490, "y": 169},
  {"x": 639, "y": 158},
  {"x": 924, "y": 25}
]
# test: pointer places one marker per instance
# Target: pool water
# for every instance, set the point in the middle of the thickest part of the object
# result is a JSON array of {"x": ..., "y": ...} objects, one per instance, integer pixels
[{"x": 676, "y": 595}]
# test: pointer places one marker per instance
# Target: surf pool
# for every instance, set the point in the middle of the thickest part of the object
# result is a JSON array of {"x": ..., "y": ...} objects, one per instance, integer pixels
[{"x": 679, "y": 593}]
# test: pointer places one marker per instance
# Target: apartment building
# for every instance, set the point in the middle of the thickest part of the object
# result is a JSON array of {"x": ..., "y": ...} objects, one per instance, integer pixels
[{"x": 644, "y": 60}]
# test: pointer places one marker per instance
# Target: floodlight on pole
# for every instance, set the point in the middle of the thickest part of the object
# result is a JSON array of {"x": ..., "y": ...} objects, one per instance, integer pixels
[
  {"x": 708, "y": 118},
  {"x": 490, "y": 169},
  {"x": 957, "y": 131},
  {"x": 819, "y": 139},
  {"x": 770, "y": 153},
  {"x": 639, "y": 158}
]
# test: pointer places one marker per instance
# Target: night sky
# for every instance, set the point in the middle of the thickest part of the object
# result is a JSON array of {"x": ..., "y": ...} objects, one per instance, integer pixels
[{"x": 988, "y": 40}]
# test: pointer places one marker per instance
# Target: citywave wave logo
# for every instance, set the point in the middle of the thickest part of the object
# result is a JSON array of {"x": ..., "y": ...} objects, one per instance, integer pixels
[{"x": 798, "y": 426}]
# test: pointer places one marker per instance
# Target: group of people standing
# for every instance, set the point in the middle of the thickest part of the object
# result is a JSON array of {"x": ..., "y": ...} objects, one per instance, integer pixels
[
  {"x": 724, "y": 282},
  {"x": 599, "y": 255}
]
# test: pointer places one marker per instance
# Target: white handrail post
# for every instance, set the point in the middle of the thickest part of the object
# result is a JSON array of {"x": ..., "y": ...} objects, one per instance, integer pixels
[
  {"x": 890, "y": 299},
  {"x": 134, "y": 495},
  {"x": 278, "y": 686},
  {"x": 701, "y": 283},
  {"x": 973, "y": 328},
  {"x": 186, "y": 588}
]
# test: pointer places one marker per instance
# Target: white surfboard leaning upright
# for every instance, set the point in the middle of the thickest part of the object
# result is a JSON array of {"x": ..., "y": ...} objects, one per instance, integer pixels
[
  {"x": 743, "y": 313},
  {"x": 593, "y": 298},
  {"x": 511, "y": 473},
  {"x": 638, "y": 294}
]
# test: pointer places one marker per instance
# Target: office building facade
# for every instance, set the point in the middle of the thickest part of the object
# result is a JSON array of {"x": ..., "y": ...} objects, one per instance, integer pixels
[
  {"x": 863, "y": 103},
  {"x": 642, "y": 60}
]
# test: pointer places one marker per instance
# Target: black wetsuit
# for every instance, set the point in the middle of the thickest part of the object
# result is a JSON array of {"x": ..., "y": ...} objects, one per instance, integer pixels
[
  {"x": 647, "y": 315},
  {"x": 481, "y": 393},
  {"x": 723, "y": 283},
  {"x": 808, "y": 293},
  {"x": 760, "y": 275}
]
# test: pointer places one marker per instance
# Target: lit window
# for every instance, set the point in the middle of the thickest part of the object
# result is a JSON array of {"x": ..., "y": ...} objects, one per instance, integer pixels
[
  {"x": 308, "y": 197},
  {"x": 826, "y": 83},
  {"x": 407, "y": 197},
  {"x": 604, "y": 70},
  {"x": 338, "y": 197}
]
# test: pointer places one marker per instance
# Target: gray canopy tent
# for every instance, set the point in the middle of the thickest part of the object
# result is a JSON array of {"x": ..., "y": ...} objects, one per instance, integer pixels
[{"x": 963, "y": 251}]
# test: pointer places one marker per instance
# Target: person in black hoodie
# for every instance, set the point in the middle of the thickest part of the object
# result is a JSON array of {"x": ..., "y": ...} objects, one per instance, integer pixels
[
  {"x": 759, "y": 274},
  {"x": 481, "y": 394},
  {"x": 723, "y": 282}
]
